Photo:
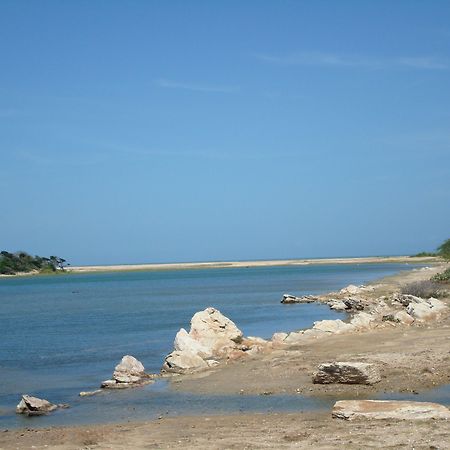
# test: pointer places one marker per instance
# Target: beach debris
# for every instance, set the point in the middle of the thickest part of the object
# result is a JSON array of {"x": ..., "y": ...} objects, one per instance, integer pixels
[
  {"x": 89, "y": 393},
  {"x": 129, "y": 372},
  {"x": 34, "y": 406},
  {"x": 288, "y": 298},
  {"x": 347, "y": 373},
  {"x": 212, "y": 337},
  {"x": 389, "y": 409}
]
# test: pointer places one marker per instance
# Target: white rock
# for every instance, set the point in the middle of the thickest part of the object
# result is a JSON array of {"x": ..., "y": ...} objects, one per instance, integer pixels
[
  {"x": 181, "y": 362},
  {"x": 129, "y": 370},
  {"x": 279, "y": 337},
  {"x": 34, "y": 406},
  {"x": 337, "y": 305},
  {"x": 293, "y": 337},
  {"x": 214, "y": 331},
  {"x": 351, "y": 289},
  {"x": 184, "y": 342},
  {"x": 362, "y": 321},
  {"x": 403, "y": 317},
  {"x": 333, "y": 326},
  {"x": 386, "y": 409}
]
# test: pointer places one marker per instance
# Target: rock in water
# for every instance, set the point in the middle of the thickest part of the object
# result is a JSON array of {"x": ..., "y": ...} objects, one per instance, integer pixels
[
  {"x": 34, "y": 406},
  {"x": 347, "y": 373},
  {"x": 129, "y": 370},
  {"x": 387, "y": 409},
  {"x": 212, "y": 337}
]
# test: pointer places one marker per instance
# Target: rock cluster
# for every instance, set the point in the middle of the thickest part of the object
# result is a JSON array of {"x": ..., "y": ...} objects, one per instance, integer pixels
[
  {"x": 347, "y": 373},
  {"x": 212, "y": 338},
  {"x": 387, "y": 409},
  {"x": 288, "y": 298},
  {"x": 128, "y": 373},
  {"x": 33, "y": 406}
]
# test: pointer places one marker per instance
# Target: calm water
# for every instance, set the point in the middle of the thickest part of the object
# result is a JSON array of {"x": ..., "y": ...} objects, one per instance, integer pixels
[{"x": 64, "y": 334}]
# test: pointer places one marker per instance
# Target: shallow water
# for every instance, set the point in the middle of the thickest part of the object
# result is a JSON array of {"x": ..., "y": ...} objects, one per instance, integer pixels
[{"x": 64, "y": 334}]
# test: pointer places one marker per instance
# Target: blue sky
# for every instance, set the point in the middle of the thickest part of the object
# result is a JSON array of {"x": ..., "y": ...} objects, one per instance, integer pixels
[{"x": 146, "y": 131}]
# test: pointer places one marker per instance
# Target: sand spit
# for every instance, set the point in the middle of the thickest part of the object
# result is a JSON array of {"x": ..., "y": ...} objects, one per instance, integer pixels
[{"x": 247, "y": 264}]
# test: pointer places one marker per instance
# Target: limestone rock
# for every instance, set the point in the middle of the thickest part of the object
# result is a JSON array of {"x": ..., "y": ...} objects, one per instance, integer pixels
[
  {"x": 128, "y": 373},
  {"x": 288, "y": 298},
  {"x": 34, "y": 406},
  {"x": 387, "y": 409},
  {"x": 403, "y": 317},
  {"x": 212, "y": 337},
  {"x": 180, "y": 362},
  {"x": 426, "y": 309},
  {"x": 362, "y": 321},
  {"x": 129, "y": 370},
  {"x": 337, "y": 305},
  {"x": 347, "y": 373},
  {"x": 332, "y": 326}
]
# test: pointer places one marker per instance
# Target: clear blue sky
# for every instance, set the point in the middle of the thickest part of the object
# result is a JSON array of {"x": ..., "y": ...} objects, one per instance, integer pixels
[{"x": 145, "y": 131}]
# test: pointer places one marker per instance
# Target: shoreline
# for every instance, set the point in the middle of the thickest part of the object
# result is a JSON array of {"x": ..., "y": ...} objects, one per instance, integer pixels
[
  {"x": 251, "y": 264},
  {"x": 420, "y": 350}
]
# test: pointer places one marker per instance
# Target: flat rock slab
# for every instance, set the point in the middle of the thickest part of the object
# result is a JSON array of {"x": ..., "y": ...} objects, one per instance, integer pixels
[
  {"x": 389, "y": 409},
  {"x": 347, "y": 373}
]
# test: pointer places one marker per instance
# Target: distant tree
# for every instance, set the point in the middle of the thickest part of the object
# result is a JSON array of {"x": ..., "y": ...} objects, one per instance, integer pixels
[{"x": 444, "y": 249}]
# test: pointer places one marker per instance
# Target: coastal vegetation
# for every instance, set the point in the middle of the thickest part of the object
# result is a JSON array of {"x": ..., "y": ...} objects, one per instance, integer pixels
[
  {"x": 22, "y": 262},
  {"x": 443, "y": 251}
]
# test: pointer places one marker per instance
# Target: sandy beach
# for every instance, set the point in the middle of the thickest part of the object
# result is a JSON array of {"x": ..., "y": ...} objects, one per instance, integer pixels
[
  {"x": 238, "y": 264},
  {"x": 413, "y": 360}
]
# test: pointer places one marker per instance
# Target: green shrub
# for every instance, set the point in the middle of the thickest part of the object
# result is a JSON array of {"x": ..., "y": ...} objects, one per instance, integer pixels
[{"x": 442, "y": 277}]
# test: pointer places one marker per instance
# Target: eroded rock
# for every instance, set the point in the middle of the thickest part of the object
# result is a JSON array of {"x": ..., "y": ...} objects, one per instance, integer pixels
[
  {"x": 128, "y": 373},
  {"x": 347, "y": 373},
  {"x": 212, "y": 337},
  {"x": 288, "y": 298},
  {"x": 389, "y": 409},
  {"x": 34, "y": 406}
]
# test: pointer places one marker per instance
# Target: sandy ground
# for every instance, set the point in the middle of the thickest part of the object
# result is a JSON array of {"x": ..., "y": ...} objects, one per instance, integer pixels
[
  {"x": 411, "y": 358},
  {"x": 236, "y": 264}
]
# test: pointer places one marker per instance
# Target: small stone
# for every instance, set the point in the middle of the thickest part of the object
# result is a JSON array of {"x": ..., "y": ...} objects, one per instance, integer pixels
[{"x": 347, "y": 373}]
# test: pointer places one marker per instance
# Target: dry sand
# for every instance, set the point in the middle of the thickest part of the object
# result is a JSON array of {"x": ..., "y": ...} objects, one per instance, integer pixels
[
  {"x": 236, "y": 264},
  {"x": 411, "y": 359}
]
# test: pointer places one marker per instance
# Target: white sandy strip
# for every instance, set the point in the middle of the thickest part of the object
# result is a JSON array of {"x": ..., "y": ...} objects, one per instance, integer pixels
[{"x": 231, "y": 264}]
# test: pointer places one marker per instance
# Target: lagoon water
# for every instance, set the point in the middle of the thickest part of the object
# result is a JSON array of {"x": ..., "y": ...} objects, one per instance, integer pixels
[{"x": 64, "y": 334}]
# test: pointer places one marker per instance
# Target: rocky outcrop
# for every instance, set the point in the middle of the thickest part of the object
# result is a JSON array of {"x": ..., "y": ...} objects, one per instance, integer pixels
[
  {"x": 288, "y": 298},
  {"x": 212, "y": 337},
  {"x": 347, "y": 373},
  {"x": 333, "y": 326},
  {"x": 128, "y": 373},
  {"x": 387, "y": 409},
  {"x": 33, "y": 406},
  {"x": 424, "y": 310}
]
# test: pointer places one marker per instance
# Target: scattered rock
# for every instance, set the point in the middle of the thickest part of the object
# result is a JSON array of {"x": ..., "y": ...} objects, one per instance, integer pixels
[
  {"x": 347, "y": 373},
  {"x": 288, "y": 298},
  {"x": 129, "y": 372},
  {"x": 403, "y": 317},
  {"x": 337, "y": 305},
  {"x": 33, "y": 406},
  {"x": 387, "y": 409},
  {"x": 362, "y": 321},
  {"x": 353, "y": 303},
  {"x": 333, "y": 326},
  {"x": 89, "y": 393}
]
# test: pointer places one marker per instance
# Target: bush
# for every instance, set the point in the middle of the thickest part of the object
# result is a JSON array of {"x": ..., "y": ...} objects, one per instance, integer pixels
[
  {"x": 442, "y": 277},
  {"x": 424, "y": 289}
]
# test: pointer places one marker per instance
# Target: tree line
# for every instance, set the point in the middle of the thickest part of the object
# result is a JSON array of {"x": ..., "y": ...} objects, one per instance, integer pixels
[{"x": 22, "y": 262}]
